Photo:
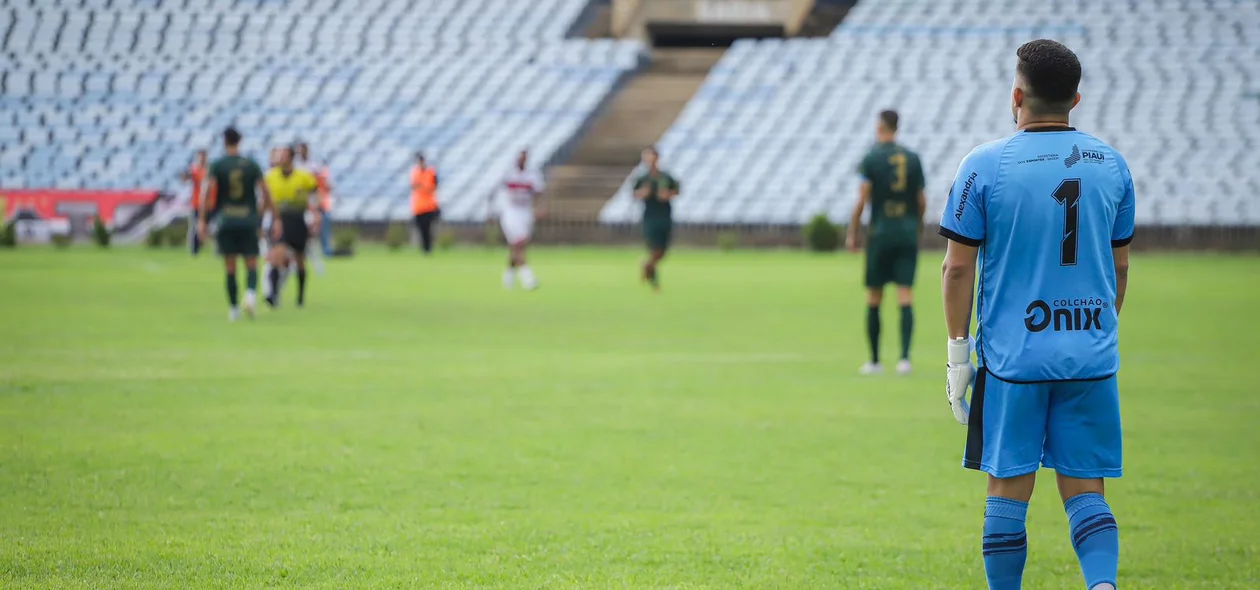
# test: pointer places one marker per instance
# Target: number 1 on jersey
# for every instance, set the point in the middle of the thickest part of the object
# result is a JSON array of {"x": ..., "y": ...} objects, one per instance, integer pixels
[{"x": 1069, "y": 195}]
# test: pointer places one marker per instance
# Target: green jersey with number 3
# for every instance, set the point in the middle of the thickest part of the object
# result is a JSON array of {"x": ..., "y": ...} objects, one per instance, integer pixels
[
  {"x": 896, "y": 178},
  {"x": 236, "y": 179}
]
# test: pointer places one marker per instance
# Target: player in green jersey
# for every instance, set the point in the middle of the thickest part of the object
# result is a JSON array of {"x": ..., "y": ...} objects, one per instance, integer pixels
[
  {"x": 892, "y": 184},
  {"x": 657, "y": 189},
  {"x": 237, "y": 182}
]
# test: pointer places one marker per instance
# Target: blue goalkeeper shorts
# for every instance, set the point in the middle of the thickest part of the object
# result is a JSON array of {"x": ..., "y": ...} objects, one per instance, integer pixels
[{"x": 1072, "y": 427}]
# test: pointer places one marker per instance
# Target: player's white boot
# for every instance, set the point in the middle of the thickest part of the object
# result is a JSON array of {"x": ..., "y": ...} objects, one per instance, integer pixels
[
  {"x": 903, "y": 367},
  {"x": 509, "y": 278},
  {"x": 528, "y": 280},
  {"x": 234, "y": 314},
  {"x": 250, "y": 303},
  {"x": 871, "y": 369}
]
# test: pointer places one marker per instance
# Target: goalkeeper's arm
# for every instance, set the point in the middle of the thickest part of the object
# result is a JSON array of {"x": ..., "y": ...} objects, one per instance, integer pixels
[{"x": 958, "y": 279}]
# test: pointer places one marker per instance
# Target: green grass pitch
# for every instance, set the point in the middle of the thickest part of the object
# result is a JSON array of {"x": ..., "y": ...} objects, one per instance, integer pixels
[{"x": 418, "y": 426}]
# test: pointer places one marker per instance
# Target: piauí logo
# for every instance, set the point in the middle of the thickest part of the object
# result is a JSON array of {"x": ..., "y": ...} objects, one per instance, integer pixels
[{"x": 1073, "y": 158}]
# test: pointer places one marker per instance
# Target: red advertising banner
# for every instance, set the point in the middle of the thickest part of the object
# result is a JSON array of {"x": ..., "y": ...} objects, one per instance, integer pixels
[{"x": 53, "y": 203}]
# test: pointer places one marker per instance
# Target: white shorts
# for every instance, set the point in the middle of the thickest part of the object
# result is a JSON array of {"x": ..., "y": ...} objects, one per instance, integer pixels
[{"x": 517, "y": 226}]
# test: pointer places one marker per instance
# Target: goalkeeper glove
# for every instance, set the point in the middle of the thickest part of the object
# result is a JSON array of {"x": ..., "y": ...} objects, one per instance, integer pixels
[{"x": 960, "y": 374}]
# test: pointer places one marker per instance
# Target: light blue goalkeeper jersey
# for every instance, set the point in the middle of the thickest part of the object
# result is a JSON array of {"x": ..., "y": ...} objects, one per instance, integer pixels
[{"x": 1045, "y": 207}]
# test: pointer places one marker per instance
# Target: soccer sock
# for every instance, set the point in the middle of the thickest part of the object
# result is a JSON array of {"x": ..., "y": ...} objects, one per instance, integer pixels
[
  {"x": 1095, "y": 537},
  {"x": 301, "y": 273},
  {"x": 251, "y": 280},
  {"x": 231, "y": 288},
  {"x": 872, "y": 331},
  {"x": 273, "y": 277},
  {"x": 651, "y": 274},
  {"x": 907, "y": 329},
  {"x": 1005, "y": 542}
]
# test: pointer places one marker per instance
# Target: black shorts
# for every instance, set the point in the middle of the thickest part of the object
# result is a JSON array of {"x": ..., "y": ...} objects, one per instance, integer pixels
[
  {"x": 294, "y": 234},
  {"x": 237, "y": 241},
  {"x": 891, "y": 262},
  {"x": 658, "y": 233}
]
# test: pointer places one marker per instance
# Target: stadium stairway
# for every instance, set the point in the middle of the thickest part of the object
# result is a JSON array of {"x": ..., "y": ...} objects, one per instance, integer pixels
[
  {"x": 824, "y": 17},
  {"x": 634, "y": 118}
]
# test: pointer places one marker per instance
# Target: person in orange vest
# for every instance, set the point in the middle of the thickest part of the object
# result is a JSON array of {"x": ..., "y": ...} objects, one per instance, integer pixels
[
  {"x": 195, "y": 174},
  {"x": 424, "y": 204}
]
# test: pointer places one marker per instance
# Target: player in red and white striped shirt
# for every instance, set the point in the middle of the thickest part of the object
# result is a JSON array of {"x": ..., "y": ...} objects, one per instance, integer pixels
[{"x": 517, "y": 212}]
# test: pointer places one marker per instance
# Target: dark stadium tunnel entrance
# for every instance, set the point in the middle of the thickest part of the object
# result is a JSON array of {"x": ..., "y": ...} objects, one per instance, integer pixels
[{"x": 690, "y": 34}]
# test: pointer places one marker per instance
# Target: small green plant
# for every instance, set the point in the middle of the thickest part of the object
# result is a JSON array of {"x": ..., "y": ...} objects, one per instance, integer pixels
[
  {"x": 446, "y": 240},
  {"x": 727, "y": 241},
  {"x": 396, "y": 236},
  {"x": 344, "y": 240},
  {"x": 176, "y": 234},
  {"x": 8, "y": 235},
  {"x": 821, "y": 235},
  {"x": 100, "y": 234},
  {"x": 155, "y": 237},
  {"x": 62, "y": 240}
]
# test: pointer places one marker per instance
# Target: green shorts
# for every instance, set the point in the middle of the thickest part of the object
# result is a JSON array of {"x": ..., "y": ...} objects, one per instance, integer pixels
[
  {"x": 237, "y": 241},
  {"x": 891, "y": 262},
  {"x": 657, "y": 233}
]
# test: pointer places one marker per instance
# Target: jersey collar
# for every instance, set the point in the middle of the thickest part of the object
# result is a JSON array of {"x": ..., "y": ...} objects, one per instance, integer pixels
[{"x": 1048, "y": 129}]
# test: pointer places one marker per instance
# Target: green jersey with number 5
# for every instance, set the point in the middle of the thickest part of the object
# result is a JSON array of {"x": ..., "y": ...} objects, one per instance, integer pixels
[
  {"x": 896, "y": 178},
  {"x": 236, "y": 179}
]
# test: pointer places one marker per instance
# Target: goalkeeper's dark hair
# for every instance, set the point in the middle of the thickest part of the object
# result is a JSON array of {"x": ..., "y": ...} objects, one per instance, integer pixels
[
  {"x": 1051, "y": 75},
  {"x": 889, "y": 119},
  {"x": 231, "y": 137}
]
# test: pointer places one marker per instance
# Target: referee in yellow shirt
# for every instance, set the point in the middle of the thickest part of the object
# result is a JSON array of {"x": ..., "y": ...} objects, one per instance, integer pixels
[{"x": 293, "y": 191}]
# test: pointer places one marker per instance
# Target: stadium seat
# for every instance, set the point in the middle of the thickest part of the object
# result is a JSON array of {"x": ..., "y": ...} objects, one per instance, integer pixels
[
  {"x": 1164, "y": 81},
  {"x": 130, "y": 88}
]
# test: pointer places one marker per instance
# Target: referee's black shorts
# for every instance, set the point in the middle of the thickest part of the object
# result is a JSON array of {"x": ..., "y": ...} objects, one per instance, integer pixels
[{"x": 295, "y": 233}]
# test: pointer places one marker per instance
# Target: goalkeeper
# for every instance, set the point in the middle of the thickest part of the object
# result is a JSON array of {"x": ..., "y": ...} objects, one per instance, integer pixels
[{"x": 1049, "y": 212}]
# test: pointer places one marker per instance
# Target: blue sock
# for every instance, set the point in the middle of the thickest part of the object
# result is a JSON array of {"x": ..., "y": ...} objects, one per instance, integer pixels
[
  {"x": 1095, "y": 537},
  {"x": 1005, "y": 542}
]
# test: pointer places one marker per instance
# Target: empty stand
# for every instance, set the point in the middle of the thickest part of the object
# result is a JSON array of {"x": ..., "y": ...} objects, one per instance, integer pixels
[
  {"x": 633, "y": 119},
  {"x": 118, "y": 93},
  {"x": 775, "y": 134}
]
